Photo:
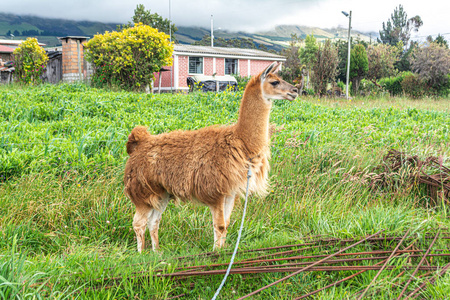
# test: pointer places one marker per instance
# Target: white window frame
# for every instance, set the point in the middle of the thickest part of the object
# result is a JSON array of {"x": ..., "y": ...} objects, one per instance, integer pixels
[
  {"x": 225, "y": 66},
  {"x": 203, "y": 65}
]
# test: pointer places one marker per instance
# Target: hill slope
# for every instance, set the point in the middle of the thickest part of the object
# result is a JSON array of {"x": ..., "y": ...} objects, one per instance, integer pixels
[
  {"x": 280, "y": 35},
  {"x": 46, "y": 26},
  {"x": 47, "y": 30}
]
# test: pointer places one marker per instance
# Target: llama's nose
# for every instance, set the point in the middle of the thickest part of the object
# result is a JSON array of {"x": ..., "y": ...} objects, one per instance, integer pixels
[{"x": 295, "y": 90}]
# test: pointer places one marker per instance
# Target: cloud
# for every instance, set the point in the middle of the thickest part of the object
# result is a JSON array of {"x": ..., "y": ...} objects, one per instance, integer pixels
[
  {"x": 104, "y": 11},
  {"x": 239, "y": 15},
  {"x": 231, "y": 14},
  {"x": 245, "y": 15}
]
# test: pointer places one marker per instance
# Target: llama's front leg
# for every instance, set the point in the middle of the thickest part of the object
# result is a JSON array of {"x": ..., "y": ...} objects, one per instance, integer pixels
[
  {"x": 140, "y": 224},
  {"x": 154, "y": 219},
  {"x": 228, "y": 206},
  {"x": 220, "y": 230}
]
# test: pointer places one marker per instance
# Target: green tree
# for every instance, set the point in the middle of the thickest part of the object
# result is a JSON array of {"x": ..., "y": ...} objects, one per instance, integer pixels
[
  {"x": 246, "y": 43},
  {"x": 243, "y": 43},
  {"x": 432, "y": 63},
  {"x": 359, "y": 66},
  {"x": 398, "y": 27},
  {"x": 141, "y": 15},
  {"x": 403, "y": 64},
  {"x": 342, "y": 47},
  {"x": 381, "y": 58},
  {"x": 441, "y": 41},
  {"x": 325, "y": 66},
  {"x": 263, "y": 47},
  {"x": 128, "y": 58},
  {"x": 307, "y": 54},
  {"x": 206, "y": 41},
  {"x": 291, "y": 67},
  {"x": 30, "y": 61}
]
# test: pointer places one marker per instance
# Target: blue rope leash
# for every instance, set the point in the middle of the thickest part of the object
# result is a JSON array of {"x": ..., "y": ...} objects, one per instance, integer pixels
[{"x": 249, "y": 174}]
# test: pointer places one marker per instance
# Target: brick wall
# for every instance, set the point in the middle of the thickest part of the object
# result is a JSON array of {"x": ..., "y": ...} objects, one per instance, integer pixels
[
  {"x": 183, "y": 70},
  {"x": 70, "y": 59},
  {"x": 257, "y": 66},
  {"x": 220, "y": 66},
  {"x": 165, "y": 78},
  {"x": 208, "y": 66},
  {"x": 243, "y": 67}
]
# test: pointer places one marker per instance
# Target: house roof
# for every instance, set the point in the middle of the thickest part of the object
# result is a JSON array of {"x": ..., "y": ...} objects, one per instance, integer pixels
[
  {"x": 15, "y": 43},
  {"x": 6, "y": 49},
  {"x": 226, "y": 52},
  {"x": 74, "y": 37}
]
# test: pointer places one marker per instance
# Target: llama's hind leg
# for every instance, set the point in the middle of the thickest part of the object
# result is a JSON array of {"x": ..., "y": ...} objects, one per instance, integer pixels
[
  {"x": 154, "y": 219},
  {"x": 228, "y": 208},
  {"x": 140, "y": 224},
  {"x": 220, "y": 230}
]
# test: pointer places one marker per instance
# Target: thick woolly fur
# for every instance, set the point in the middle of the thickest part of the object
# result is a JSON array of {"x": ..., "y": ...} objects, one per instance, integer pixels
[{"x": 208, "y": 165}]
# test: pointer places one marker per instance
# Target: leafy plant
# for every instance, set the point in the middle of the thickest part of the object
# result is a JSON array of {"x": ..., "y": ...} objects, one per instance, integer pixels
[
  {"x": 246, "y": 43},
  {"x": 129, "y": 58},
  {"x": 29, "y": 61},
  {"x": 325, "y": 66},
  {"x": 413, "y": 86},
  {"x": 432, "y": 63},
  {"x": 309, "y": 92},
  {"x": 241, "y": 81},
  {"x": 308, "y": 53},
  {"x": 441, "y": 41},
  {"x": 292, "y": 68},
  {"x": 381, "y": 59},
  {"x": 392, "y": 84},
  {"x": 369, "y": 88},
  {"x": 359, "y": 65},
  {"x": 403, "y": 64}
]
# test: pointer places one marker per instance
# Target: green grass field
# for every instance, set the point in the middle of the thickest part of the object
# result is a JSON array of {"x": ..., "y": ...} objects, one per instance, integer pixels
[{"x": 65, "y": 224}]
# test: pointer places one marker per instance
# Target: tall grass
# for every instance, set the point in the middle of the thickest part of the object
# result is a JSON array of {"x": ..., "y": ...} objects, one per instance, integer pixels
[{"x": 65, "y": 224}]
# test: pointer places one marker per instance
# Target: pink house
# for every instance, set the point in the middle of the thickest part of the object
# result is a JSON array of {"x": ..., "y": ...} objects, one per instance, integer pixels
[{"x": 189, "y": 60}]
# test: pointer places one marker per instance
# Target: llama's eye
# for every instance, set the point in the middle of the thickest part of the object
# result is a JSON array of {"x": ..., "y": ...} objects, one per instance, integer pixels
[{"x": 275, "y": 83}]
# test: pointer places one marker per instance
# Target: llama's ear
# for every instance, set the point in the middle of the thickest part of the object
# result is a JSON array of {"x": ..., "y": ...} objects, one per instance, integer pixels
[{"x": 270, "y": 69}]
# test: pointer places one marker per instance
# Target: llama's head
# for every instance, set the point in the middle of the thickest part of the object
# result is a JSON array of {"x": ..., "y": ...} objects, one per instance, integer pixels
[{"x": 273, "y": 87}]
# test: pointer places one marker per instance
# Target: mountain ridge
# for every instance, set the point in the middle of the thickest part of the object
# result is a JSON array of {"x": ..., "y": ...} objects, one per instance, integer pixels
[{"x": 48, "y": 29}]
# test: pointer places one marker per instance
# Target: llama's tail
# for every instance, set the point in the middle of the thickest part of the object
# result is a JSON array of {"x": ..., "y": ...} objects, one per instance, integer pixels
[{"x": 138, "y": 135}]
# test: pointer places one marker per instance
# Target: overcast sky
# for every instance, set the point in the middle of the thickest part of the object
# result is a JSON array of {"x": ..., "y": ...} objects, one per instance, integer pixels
[{"x": 248, "y": 15}]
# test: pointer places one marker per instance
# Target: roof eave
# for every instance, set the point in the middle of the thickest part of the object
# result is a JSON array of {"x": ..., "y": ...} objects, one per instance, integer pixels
[{"x": 238, "y": 56}]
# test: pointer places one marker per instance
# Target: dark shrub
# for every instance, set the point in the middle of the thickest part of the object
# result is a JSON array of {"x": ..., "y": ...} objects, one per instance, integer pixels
[
  {"x": 413, "y": 86},
  {"x": 392, "y": 84}
]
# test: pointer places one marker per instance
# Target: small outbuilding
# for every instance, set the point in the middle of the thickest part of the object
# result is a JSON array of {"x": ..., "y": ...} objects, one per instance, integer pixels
[{"x": 5, "y": 53}]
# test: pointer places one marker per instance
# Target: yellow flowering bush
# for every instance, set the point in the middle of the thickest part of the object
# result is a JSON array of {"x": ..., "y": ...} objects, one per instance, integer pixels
[
  {"x": 128, "y": 58},
  {"x": 30, "y": 61}
]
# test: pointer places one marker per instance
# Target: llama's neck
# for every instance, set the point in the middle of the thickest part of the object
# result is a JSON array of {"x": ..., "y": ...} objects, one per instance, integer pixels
[{"x": 253, "y": 122}]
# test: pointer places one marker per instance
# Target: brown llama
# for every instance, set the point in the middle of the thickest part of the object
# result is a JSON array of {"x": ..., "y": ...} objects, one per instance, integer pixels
[{"x": 208, "y": 165}]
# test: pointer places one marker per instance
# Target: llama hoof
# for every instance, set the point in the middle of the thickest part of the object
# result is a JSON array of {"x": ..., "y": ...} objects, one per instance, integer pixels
[{"x": 158, "y": 251}]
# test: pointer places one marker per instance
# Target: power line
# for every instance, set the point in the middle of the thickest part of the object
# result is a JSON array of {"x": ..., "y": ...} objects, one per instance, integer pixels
[
  {"x": 418, "y": 36},
  {"x": 434, "y": 34}
]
